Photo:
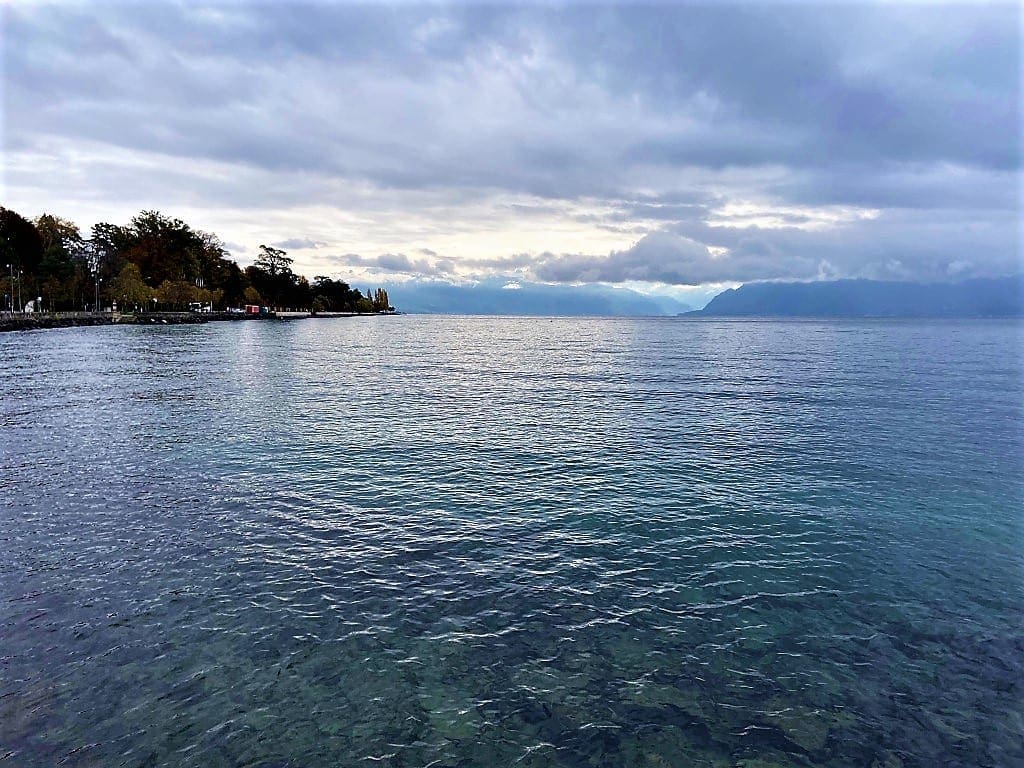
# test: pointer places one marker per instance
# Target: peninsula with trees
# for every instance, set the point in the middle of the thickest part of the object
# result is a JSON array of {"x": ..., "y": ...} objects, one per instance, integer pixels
[{"x": 154, "y": 264}]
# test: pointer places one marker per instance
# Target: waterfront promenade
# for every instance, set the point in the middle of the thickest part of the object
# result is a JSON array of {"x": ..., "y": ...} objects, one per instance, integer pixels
[{"x": 18, "y": 321}]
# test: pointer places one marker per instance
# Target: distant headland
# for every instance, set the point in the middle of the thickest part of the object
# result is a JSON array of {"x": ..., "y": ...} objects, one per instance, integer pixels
[{"x": 979, "y": 298}]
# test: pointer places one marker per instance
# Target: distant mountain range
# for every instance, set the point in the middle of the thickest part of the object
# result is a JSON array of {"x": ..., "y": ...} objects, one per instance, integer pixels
[
  {"x": 995, "y": 297},
  {"x": 504, "y": 297}
]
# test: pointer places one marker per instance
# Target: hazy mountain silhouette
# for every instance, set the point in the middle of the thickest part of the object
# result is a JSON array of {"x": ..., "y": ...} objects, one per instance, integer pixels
[
  {"x": 504, "y": 297},
  {"x": 990, "y": 297}
]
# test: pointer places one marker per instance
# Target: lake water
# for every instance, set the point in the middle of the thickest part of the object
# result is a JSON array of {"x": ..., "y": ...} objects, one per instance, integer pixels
[{"x": 437, "y": 541}]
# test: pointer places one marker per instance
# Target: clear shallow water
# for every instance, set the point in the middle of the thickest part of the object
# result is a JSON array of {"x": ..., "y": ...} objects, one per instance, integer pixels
[{"x": 420, "y": 541}]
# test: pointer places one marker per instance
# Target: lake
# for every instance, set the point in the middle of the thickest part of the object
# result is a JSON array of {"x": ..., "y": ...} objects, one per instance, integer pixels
[{"x": 458, "y": 541}]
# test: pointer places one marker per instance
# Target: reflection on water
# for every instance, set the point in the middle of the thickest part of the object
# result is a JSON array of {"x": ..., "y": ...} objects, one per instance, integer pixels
[{"x": 417, "y": 541}]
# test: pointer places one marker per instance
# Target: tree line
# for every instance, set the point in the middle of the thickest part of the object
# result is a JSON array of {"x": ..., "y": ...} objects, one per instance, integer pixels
[{"x": 154, "y": 262}]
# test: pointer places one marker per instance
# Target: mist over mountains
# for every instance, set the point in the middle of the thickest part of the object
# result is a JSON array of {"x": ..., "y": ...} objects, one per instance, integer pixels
[
  {"x": 982, "y": 297},
  {"x": 504, "y": 297}
]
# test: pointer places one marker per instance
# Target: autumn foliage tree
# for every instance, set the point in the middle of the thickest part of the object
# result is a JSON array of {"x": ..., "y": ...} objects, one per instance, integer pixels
[
  {"x": 154, "y": 256},
  {"x": 129, "y": 288},
  {"x": 380, "y": 301}
]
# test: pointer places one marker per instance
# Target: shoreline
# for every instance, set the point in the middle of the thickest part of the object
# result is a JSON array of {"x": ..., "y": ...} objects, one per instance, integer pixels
[{"x": 11, "y": 322}]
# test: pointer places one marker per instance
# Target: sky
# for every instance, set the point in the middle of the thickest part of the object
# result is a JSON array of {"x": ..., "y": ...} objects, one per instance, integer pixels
[{"x": 669, "y": 148}]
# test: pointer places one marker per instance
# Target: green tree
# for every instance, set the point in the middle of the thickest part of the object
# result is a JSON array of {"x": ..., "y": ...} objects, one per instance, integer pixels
[
  {"x": 129, "y": 288},
  {"x": 218, "y": 272},
  {"x": 273, "y": 261},
  {"x": 272, "y": 275},
  {"x": 61, "y": 278},
  {"x": 337, "y": 294},
  {"x": 175, "y": 294},
  {"x": 58, "y": 234},
  {"x": 154, "y": 255},
  {"x": 252, "y": 296},
  {"x": 21, "y": 251},
  {"x": 20, "y": 242},
  {"x": 380, "y": 301},
  {"x": 164, "y": 248},
  {"x": 212, "y": 296},
  {"x": 231, "y": 281}
]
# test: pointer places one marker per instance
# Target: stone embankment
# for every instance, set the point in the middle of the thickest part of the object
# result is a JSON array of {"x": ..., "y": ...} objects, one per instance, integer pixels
[
  {"x": 15, "y": 321},
  {"x": 38, "y": 320}
]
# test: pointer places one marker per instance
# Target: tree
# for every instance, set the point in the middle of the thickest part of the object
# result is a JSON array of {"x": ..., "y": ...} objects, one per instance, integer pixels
[
  {"x": 232, "y": 282},
  {"x": 61, "y": 279},
  {"x": 20, "y": 242},
  {"x": 109, "y": 243},
  {"x": 380, "y": 301},
  {"x": 58, "y": 234},
  {"x": 212, "y": 296},
  {"x": 273, "y": 261},
  {"x": 218, "y": 272},
  {"x": 129, "y": 288},
  {"x": 175, "y": 293},
  {"x": 164, "y": 248},
  {"x": 301, "y": 294},
  {"x": 21, "y": 251},
  {"x": 337, "y": 295},
  {"x": 272, "y": 275},
  {"x": 154, "y": 255}
]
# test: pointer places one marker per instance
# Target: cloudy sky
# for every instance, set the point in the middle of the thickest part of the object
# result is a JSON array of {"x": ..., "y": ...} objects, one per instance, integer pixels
[{"x": 659, "y": 146}]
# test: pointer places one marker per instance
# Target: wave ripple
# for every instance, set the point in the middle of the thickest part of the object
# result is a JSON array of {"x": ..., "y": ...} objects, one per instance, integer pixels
[{"x": 425, "y": 541}]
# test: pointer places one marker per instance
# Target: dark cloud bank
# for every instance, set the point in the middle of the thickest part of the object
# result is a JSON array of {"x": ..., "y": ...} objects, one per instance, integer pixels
[{"x": 865, "y": 141}]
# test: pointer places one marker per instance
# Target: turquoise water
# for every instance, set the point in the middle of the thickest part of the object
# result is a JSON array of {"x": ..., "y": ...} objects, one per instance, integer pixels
[{"x": 431, "y": 541}]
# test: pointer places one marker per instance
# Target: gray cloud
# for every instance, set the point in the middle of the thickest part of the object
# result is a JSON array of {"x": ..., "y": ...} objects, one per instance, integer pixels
[
  {"x": 653, "y": 115},
  {"x": 900, "y": 245},
  {"x": 660, "y": 258},
  {"x": 401, "y": 95},
  {"x": 397, "y": 264},
  {"x": 299, "y": 243}
]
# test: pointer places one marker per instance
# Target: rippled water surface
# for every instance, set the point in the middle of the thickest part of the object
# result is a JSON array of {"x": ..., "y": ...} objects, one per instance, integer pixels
[{"x": 416, "y": 541}]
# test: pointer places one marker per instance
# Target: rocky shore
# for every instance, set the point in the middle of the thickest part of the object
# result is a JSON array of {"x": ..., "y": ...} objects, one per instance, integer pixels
[
  {"x": 15, "y": 321},
  {"x": 40, "y": 320}
]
